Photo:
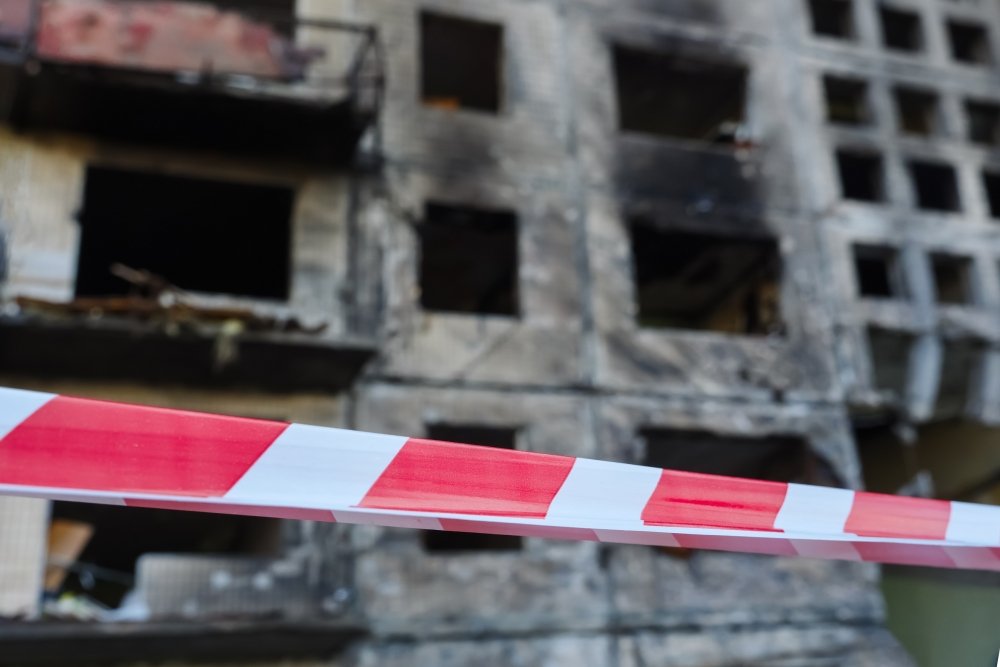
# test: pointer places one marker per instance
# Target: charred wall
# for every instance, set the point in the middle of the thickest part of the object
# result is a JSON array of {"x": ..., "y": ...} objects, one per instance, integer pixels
[{"x": 574, "y": 367}]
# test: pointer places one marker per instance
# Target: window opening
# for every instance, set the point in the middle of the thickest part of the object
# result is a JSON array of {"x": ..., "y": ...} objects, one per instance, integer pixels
[
  {"x": 860, "y": 176},
  {"x": 668, "y": 96},
  {"x": 198, "y": 234},
  {"x": 877, "y": 271},
  {"x": 692, "y": 280},
  {"x": 460, "y": 63},
  {"x": 469, "y": 260},
  {"x": 901, "y": 30},
  {"x": 846, "y": 101},
  {"x": 935, "y": 186},
  {"x": 970, "y": 43}
]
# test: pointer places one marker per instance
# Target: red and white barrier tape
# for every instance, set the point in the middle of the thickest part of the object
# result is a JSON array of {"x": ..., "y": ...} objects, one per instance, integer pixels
[{"x": 94, "y": 451}]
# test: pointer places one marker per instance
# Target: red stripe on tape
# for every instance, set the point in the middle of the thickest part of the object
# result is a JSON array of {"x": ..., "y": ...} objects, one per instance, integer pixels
[
  {"x": 877, "y": 515},
  {"x": 82, "y": 444},
  {"x": 710, "y": 501},
  {"x": 430, "y": 476},
  {"x": 520, "y": 530},
  {"x": 928, "y": 555},
  {"x": 298, "y": 514}
]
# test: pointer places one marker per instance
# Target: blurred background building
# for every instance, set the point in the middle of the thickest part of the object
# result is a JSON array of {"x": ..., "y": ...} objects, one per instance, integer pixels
[{"x": 747, "y": 237}]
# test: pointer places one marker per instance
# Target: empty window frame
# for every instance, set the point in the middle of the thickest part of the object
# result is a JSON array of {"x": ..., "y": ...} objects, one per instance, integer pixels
[
  {"x": 953, "y": 282},
  {"x": 961, "y": 364},
  {"x": 889, "y": 355},
  {"x": 983, "y": 122},
  {"x": 861, "y": 177},
  {"x": 846, "y": 100},
  {"x": 773, "y": 458},
  {"x": 97, "y": 547},
  {"x": 917, "y": 111},
  {"x": 693, "y": 280},
  {"x": 832, "y": 18},
  {"x": 461, "y": 63},
  {"x": 877, "y": 271},
  {"x": 468, "y": 260},
  {"x": 198, "y": 234},
  {"x": 991, "y": 184},
  {"x": 935, "y": 186},
  {"x": 667, "y": 95},
  {"x": 970, "y": 42},
  {"x": 901, "y": 29},
  {"x": 454, "y": 542}
]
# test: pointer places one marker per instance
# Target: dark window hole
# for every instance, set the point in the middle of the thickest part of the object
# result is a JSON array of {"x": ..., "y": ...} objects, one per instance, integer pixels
[
  {"x": 675, "y": 97},
  {"x": 775, "y": 458},
  {"x": 460, "y": 63},
  {"x": 901, "y": 30},
  {"x": 983, "y": 122},
  {"x": 846, "y": 101},
  {"x": 861, "y": 176},
  {"x": 877, "y": 271},
  {"x": 832, "y": 18},
  {"x": 991, "y": 182},
  {"x": 952, "y": 278},
  {"x": 468, "y": 260},
  {"x": 935, "y": 186},
  {"x": 917, "y": 111},
  {"x": 691, "y": 280},
  {"x": 94, "y": 549},
  {"x": 970, "y": 43},
  {"x": 890, "y": 358},
  {"x": 198, "y": 234}
]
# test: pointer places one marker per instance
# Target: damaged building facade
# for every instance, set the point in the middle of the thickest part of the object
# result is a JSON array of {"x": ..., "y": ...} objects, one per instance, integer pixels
[{"x": 751, "y": 238}]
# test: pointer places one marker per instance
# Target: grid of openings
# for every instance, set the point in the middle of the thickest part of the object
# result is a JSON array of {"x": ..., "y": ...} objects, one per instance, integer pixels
[
  {"x": 983, "y": 119},
  {"x": 846, "y": 101},
  {"x": 773, "y": 458},
  {"x": 877, "y": 271},
  {"x": 699, "y": 281},
  {"x": 468, "y": 260},
  {"x": 460, "y": 63},
  {"x": 969, "y": 42},
  {"x": 861, "y": 177},
  {"x": 952, "y": 278},
  {"x": 666, "y": 95},
  {"x": 448, "y": 542},
  {"x": 935, "y": 187},
  {"x": 917, "y": 111},
  {"x": 901, "y": 29},
  {"x": 200, "y": 235},
  {"x": 832, "y": 18}
]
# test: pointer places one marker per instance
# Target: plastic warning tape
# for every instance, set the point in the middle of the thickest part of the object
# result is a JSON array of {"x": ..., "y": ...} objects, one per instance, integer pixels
[{"x": 81, "y": 450}]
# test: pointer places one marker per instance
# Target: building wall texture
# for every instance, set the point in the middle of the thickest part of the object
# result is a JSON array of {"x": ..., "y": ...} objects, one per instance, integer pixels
[{"x": 575, "y": 373}]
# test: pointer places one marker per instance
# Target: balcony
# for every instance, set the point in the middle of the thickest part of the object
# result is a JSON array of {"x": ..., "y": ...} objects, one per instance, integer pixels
[{"x": 190, "y": 75}]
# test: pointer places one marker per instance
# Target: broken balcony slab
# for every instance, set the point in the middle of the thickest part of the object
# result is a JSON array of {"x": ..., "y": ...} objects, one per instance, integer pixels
[
  {"x": 119, "y": 348},
  {"x": 48, "y": 643}
]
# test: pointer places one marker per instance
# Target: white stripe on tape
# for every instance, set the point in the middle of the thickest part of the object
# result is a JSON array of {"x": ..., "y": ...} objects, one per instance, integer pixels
[{"x": 316, "y": 467}]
